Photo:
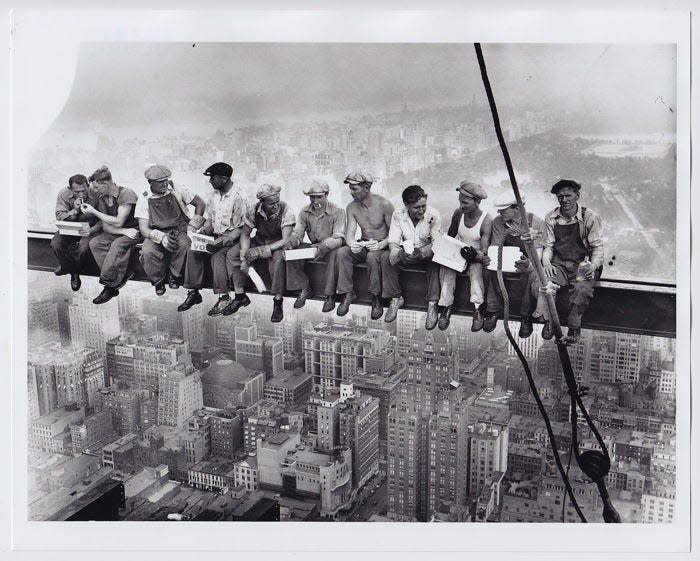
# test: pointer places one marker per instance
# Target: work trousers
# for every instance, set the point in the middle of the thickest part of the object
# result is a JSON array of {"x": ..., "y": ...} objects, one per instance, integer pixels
[
  {"x": 194, "y": 269},
  {"x": 345, "y": 260},
  {"x": 275, "y": 266},
  {"x": 580, "y": 291},
  {"x": 390, "y": 276},
  {"x": 158, "y": 261},
  {"x": 298, "y": 280},
  {"x": 494, "y": 297},
  {"x": 112, "y": 253},
  {"x": 448, "y": 281},
  {"x": 71, "y": 252}
]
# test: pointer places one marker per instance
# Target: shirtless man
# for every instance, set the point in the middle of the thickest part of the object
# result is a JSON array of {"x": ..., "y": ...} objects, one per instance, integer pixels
[{"x": 372, "y": 213}]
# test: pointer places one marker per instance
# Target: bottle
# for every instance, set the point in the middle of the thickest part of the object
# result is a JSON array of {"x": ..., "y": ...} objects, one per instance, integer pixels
[{"x": 583, "y": 268}]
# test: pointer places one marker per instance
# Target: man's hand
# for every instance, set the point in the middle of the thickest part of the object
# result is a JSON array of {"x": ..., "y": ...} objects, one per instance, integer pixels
[
  {"x": 321, "y": 250},
  {"x": 395, "y": 256},
  {"x": 485, "y": 260},
  {"x": 425, "y": 252},
  {"x": 289, "y": 245},
  {"x": 132, "y": 233},
  {"x": 87, "y": 208},
  {"x": 196, "y": 222},
  {"x": 77, "y": 203},
  {"x": 252, "y": 254},
  {"x": 85, "y": 231},
  {"x": 207, "y": 229},
  {"x": 549, "y": 270},
  {"x": 522, "y": 264},
  {"x": 372, "y": 245},
  {"x": 213, "y": 247},
  {"x": 245, "y": 267},
  {"x": 356, "y": 247}
]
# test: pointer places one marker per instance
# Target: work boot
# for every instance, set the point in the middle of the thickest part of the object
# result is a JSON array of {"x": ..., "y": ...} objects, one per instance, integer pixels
[
  {"x": 490, "y": 322},
  {"x": 329, "y": 304},
  {"x": 394, "y": 306},
  {"x": 193, "y": 297},
  {"x": 277, "y": 313},
  {"x": 174, "y": 283},
  {"x": 572, "y": 336},
  {"x": 106, "y": 295},
  {"x": 58, "y": 271},
  {"x": 431, "y": 316},
  {"x": 444, "y": 321},
  {"x": 218, "y": 308},
  {"x": 160, "y": 288},
  {"x": 75, "y": 282},
  {"x": 303, "y": 296},
  {"x": 377, "y": 308},
  {"x": 525, "y": 327},
  {"x": 547, "y": 332},
  {"x": 236, "y": 304},
  {"x": 344, "y": 307},
  {"x": 477, "y": 320}
]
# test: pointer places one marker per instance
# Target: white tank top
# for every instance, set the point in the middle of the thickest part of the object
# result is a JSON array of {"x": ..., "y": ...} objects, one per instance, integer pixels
[{"x": 470, "y": 236}]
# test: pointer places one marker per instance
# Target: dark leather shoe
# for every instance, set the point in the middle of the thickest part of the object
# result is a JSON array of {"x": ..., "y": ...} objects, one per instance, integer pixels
[
  {"x": 490, "y": 322},
  {"x": 431, "y": 316},
  {"x": 477, "y": 320},
  {"x": 573, "y": 336},
  {"x": 377, "y": 308},
  {"x": 344, "y": 307},
  {"x": 303, "y": 296},
  {"x": 393, "y": 310},
  {"x": 160, "y": 288},
  {"x": 236, "y": 304},
  {"x": 444, "y": 321},
  {"x": 75, "y": 282},
  {"x": 329, "y": 304},
  {"x": 174, "y": 283},
  {"x": 218, "y": 308},
  {"x": 58, "y": 271},
  {"x": 525, "y": 327},
  {"x": 277, "y": 313},
  {"x": 193, "y": 297},
  {"x": 106, "y": 295},
  {"x": 547, "y": 332}
]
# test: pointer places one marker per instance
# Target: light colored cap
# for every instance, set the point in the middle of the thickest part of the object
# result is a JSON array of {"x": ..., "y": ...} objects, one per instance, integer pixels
[
  {"x": 317, "y": 188},
  {"x": 267, "y": 191},
  {"x": 506, "y": 199},
  {"x": 157, "y": 173}
]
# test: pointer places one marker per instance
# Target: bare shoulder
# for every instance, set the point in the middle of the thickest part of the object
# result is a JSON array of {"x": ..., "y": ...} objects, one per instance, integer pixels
[
  {"x": 350, "y": 209},
  {"x": 386, "y": 204}
]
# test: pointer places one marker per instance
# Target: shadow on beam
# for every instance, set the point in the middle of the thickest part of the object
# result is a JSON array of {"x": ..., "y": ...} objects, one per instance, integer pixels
[{"x": 643, "y": 308}]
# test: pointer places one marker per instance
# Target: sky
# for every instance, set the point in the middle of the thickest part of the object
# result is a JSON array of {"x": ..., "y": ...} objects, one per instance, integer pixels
[{"x": 626, "y": 87}]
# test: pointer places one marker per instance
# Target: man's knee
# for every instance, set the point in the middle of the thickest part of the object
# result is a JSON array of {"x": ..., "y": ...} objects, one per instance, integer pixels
[
  {"x": 277, "y": 256},
  {"x": 57, "y": 242},
  {"x": 343, "y": 252},
  {"x": 376, "y": 257}
]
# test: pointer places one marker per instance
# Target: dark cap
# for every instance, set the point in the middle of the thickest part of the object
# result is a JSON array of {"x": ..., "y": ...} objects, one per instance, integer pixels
[
  {"x": 563, "y": 183},
  {"x": 473, "y": 190},
  {"x": 219, "y": 168}
]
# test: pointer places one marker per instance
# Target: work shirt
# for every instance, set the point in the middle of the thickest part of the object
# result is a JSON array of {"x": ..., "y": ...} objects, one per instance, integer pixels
[
  {"x": 181, "y": 194},
  {"x": 257, "y": 212},
  {"x": 227, "y": 212},
  {"x": 109, "y": 204},
  {"x": 329, "y": 225},
  {"x": 425, "y": 232},
  {"x": 590, "y": 230},
  {"x": 64, "y": 207},
  {"x": 510, "y": 233}
]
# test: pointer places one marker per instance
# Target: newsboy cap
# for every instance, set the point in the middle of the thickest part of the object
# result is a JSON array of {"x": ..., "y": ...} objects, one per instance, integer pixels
[
  {"x": 101, "y": 173},
  {"x": 157, "y": 173},
  {"x": 317, "y": 188},
  {"x": 563, "y": 183},
  {"x": 267, "y": 191},
  {"x": 356, "y": 177},
  {"x": 219, "y": 168},
  {"x": 505, "y": 200},
  {"x": 472, "y": 189}
]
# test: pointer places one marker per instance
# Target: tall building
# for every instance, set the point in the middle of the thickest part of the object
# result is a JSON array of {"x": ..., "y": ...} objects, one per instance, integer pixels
[
  {"x": 289, "y": 332},
  {"x": 407, "y": 323},
  {"x": 548, "y": 363},
  {"x": 602, "y": 364},
  {"x": 291, "y": 389},
  {"x": 179, "y": 395},
  {"x": 51, "y": 432},
  {"x": 259, "y": 352},
  {"x": 42, "y": 323},
  {"x": 125, "y": 405},
  {"x": 628, "y": 357},
  {"x": 44, "y": 287},
  {"x": 328, "y": 421},
  {"x": 93, "y": 429},
  {"x": 529, "y": 346},
  {"x": 226, "y": 434},
  {"x": 488, "y": 453},
  {"x": 92, "y": 326},
  {"x": 471, "y": 346},
  {"x": 335, "y": 354},
  {"x": 188, "y": 325},
  {"x": 225, "y": 329},
  {"x": 431, "y": 369},
  {"x": 406, "y": 465},
  {"x": 359, "y": 431}
]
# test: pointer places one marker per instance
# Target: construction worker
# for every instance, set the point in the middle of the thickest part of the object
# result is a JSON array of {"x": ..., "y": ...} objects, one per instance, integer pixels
[
  {"x": 226, "y": 208},
  {"x": 507, "y": 229},
  {"x": 273, "y": 221},
  {"x": 372, "y": 213},
  {"x": 472, "y": 226},
  {"x": 114, "y": 247},
  {"x": 413, "y": 230},
  {"x": 572, "y": 257},
  {"x": 324, "y": 224},
  {"x": 72, "y": 251},
  {"x": 164, "y": 220}
]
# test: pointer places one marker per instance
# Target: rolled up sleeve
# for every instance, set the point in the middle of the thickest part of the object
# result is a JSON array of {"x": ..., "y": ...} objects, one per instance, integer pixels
[
  {"x": 596, "y": 240},
  {"x": 338, "y": 234},
  {"x": 395, "y": 232},
  {"x": 299, "y": 230}
]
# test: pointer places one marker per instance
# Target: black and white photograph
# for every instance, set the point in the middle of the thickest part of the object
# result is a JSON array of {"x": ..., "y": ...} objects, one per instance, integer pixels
[{"x": 378, "y": 283}]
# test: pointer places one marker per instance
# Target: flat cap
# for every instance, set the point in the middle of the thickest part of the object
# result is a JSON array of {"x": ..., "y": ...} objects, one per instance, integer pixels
[
  {"x": 317, "y": 188},
  {"x": 157, "y": 173},
  {"x": 100, "y": 173},
  {"x": 219, "y": 168},
  {"x": 563, "y": 183},
  {"x": 505, "y": 200},
  {"x": 356, "y": 177},
  {"x": 472, "y": 189},
  {"x": 267, "y": 191}
]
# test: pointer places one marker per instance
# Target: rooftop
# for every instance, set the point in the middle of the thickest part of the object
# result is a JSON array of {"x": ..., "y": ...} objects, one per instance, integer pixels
[{"x": 288, "y": 380}]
